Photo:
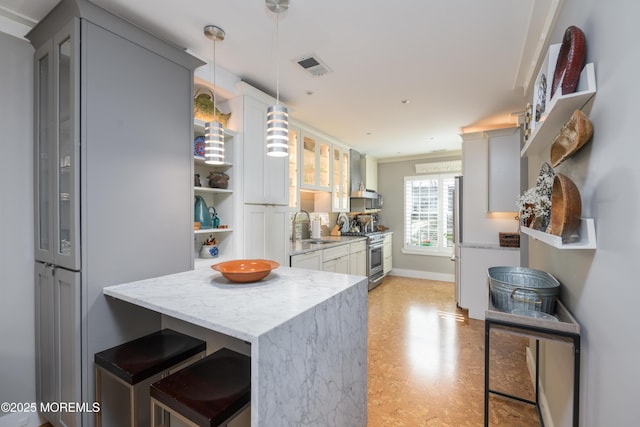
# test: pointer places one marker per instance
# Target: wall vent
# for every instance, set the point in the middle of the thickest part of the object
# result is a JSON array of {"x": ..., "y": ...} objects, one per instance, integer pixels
[{"x": 313, "y": 65}]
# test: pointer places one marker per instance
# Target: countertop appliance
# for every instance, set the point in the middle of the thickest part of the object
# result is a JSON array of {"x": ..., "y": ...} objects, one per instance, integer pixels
[
  {"x": 375, "y": 243},
  {"x": 457, "y": 234}
]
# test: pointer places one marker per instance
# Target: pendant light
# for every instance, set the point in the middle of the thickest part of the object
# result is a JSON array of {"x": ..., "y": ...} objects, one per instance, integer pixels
[
  {"x": 277, "y": 115},
  {"x": 213, "y": 130}
]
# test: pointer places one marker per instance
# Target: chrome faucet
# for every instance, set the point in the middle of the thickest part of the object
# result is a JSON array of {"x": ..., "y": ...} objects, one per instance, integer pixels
[{"x": 293, "y": 223}]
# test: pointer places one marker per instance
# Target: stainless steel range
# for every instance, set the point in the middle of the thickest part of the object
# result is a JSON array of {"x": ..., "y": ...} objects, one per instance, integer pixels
[{"x": 375, "y": 242}]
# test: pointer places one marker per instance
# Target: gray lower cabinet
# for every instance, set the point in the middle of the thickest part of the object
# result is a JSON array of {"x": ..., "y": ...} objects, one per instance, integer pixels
[
  {"x": 113, "y": 160},
  {"x": 57, "y": 346}
]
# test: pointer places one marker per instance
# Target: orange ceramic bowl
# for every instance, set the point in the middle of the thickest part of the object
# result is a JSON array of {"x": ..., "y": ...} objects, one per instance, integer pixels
[{"x": 245, "y": 270}]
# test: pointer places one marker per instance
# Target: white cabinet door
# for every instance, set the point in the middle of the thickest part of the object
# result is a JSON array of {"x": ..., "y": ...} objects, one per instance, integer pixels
[
  {"x": 310, "y": 260},
  {"x": 336, "y": 259},
  {"x": 387, "y": 258},
  {"x": 267, "y": 233},
  {"x": 338, "y": 265},
  {"x": 340, "y": 189},
  {"x": 358, "y": 258},
  {"x": 266, "y": 179}
]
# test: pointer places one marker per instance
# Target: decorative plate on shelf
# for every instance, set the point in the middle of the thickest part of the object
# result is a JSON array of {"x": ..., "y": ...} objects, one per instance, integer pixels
[{"x": 198, "y": 146}]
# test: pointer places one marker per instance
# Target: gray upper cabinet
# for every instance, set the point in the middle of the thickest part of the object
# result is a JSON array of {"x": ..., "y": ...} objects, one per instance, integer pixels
[
  {"x": 113, "y": 171},
  {"x": 504, "y": 169},
  {"x": 57, "y": 151}
]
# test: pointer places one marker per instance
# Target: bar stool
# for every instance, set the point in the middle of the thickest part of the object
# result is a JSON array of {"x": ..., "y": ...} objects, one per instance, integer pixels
[
  {"x": 135, "y": 361},
  {"x": 210, "y": 392}
]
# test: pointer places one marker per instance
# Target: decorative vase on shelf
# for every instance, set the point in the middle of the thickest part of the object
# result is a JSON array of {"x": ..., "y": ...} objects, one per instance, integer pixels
[
  {"x": 209, "y": 251},
  {"x": 201, "y": 213}
]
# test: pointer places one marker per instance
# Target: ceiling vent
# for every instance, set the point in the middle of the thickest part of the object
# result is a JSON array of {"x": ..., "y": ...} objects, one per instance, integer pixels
[{"x": 313, "y": 65}]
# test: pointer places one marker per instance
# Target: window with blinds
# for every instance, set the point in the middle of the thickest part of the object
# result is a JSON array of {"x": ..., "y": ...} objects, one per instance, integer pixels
[{"x": 428, "y": 213}]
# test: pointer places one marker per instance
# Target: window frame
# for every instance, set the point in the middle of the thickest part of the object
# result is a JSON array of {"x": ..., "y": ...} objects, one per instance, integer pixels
[{"x": 439, "y": 250}]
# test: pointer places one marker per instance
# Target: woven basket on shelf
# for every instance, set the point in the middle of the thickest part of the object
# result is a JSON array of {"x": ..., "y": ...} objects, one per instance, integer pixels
[{"x": 509, "y": 240}]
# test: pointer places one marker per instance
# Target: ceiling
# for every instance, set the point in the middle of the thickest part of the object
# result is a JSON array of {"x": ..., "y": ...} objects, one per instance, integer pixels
[{"x": 459, "y": 65}]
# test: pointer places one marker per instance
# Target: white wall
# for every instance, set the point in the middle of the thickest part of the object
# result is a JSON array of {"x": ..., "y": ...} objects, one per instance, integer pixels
[
  {"x": 601, "y": 287},
  {"x": 17, "y": 353}
]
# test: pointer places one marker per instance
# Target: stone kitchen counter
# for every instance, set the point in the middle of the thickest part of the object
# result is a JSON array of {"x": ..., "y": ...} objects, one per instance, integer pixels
[
  {"x": 307, "y": 331},
  {"x": 304, "y": 246}
]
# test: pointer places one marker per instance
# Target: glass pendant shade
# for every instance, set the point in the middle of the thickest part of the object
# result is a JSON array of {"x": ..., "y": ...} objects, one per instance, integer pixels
[
  {"x": 213, "y": 143},
  {"x": 277, "y": 131}
]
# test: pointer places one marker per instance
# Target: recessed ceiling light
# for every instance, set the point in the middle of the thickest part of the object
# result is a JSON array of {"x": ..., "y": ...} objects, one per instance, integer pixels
[
  {"x": 309, "y": 92},
  {"x": 369, "y": 133},
  {"x": 405, "y": 101}
]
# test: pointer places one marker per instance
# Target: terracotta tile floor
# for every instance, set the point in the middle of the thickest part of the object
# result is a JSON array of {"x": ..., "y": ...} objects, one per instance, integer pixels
[{"x": 426, "y": 361}]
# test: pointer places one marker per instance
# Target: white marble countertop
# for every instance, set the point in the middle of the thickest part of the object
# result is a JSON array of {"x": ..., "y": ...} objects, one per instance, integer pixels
[{"x": 245, "y": 311}]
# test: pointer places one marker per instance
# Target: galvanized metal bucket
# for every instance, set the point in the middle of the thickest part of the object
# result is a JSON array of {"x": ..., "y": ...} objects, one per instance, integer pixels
[{"x": 523, "y": 288}]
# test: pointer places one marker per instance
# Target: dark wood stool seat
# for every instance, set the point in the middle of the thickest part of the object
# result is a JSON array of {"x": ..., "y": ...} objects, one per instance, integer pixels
[
  {"x": 209, "y": 392},
  {"x": 143, "y": 358}
]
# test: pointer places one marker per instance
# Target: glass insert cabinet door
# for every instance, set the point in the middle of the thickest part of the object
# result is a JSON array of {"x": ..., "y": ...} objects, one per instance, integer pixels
[
  {"x": 308, "y": 162},
  {"x": 346, "y": 186},
  {"x": 43, "y": 154},
  {"x": 293, "y": 168},
  {"x": 316, "y": 164},
  {"x": 324, "y": 165},
  {"x": 57, "y": 151},
  {"x": 340, "y": 190},
  {"x": 337, "y": 182}
]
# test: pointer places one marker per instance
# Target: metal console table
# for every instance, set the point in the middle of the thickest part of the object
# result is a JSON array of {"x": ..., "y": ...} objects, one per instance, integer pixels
[{"x": 566, "y": 329}]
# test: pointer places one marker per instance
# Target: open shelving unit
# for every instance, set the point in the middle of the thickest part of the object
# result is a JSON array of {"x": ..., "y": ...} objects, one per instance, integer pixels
[
  {"x": 560, "y": 107},
  {"x": 558, "y": 110},
  {"x": 222, "y": 199}
]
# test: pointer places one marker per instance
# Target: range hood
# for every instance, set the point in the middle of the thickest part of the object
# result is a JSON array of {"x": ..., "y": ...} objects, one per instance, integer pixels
[
  {"x": 358, "y": 186},
  {"x": 362, "y": 199}
]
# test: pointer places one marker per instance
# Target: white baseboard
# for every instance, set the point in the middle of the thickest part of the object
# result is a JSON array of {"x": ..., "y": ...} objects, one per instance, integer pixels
[
  {"x": 419, "y": 274},
  {"x": 542, "y": 397},
  {"x": 21, "y": 419}
]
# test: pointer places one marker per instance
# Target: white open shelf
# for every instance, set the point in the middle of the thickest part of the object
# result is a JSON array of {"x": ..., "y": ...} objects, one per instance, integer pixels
[
  {"x": 212, "y": 190},
  {"x": 587, "y": 232},
  {"x": 559, "y": 108},
  {"x": 200, "y": 161},
  {"x": 212, "y": 230}
]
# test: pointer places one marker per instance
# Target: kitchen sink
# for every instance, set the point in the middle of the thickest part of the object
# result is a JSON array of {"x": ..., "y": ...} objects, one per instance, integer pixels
[{"x": 318, "y": 241}]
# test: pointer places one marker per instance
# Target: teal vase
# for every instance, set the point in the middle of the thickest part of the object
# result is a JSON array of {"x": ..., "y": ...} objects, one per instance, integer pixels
[{"x": 201, "y": 213}]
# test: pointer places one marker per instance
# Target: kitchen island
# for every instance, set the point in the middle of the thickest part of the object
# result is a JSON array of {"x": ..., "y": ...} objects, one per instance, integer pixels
[{"x": 307, "y": 332}]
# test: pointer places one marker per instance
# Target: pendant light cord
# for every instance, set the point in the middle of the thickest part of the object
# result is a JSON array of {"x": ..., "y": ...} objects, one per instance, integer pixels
[
  {"x": 214, "y": 77},
  {"x": 277, "y": 61}
]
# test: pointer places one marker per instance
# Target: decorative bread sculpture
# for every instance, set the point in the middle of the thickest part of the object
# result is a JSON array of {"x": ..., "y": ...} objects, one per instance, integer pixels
[{"x": 573, "y": 135}]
